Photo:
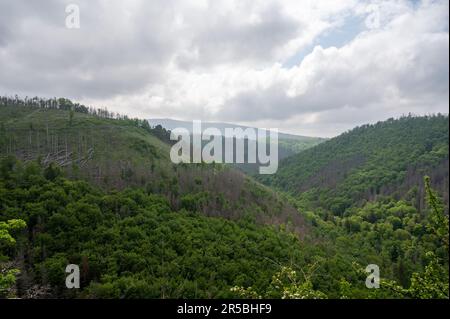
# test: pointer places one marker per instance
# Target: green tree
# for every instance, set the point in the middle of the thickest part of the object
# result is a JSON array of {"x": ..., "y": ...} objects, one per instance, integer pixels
[
  {"x": 8, "y": 275},
  {"x": 433, "y": 281},
  {"x": 438, "y": 220},
  {"x": 285, "y": 284},
  {"x": 71, "y": 115}
]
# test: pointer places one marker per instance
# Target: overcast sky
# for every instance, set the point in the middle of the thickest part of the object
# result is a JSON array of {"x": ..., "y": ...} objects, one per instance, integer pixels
[{"x": 312, "y": 67}]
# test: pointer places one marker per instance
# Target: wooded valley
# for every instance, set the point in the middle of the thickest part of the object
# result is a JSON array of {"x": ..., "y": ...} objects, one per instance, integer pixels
[{"x": 85, "y": 186}]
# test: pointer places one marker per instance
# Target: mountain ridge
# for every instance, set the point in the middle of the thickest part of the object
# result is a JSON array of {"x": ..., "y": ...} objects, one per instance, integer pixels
[{"x": 171, "y": 124}]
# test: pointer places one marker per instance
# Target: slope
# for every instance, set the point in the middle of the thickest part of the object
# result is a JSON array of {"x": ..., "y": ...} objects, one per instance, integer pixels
[
  {"x": 387, "y": 158},
  {"x": 115, "y": 152}
]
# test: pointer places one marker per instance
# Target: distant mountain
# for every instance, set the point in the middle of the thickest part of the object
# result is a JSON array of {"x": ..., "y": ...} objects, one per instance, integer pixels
[
  {"x": 288, "y": 144},
  {"x": 171, "y": 124}
]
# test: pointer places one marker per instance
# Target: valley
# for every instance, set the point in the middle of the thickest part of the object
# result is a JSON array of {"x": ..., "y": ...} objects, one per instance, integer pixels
[{"x": 88, "y": 187}]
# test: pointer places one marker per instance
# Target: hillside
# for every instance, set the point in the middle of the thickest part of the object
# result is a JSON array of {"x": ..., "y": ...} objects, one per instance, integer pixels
[
  {"x": 129, "y": 244},
  {"x": 366, "y": 196},
  {"x": 115, "y": 152},
  {"x": 387, "y": 158},
  {"x": 99, "y": 190},
  {"x": 84, "y": 186}
]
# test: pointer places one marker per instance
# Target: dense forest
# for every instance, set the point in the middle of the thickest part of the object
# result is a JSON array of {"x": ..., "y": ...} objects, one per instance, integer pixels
[
  {"x": 387, "y": 158},
  {"x": 96, "y": 189}
]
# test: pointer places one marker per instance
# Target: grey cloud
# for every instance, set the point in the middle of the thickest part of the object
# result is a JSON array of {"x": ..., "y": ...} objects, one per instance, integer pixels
[
  {"x": 117, "y": 52},
  {"x": 334, "y": 90},
  {"x": 110, "y": 54},
  {"x": 222, "y": 39},
  {"x": 412, "y": 73}
]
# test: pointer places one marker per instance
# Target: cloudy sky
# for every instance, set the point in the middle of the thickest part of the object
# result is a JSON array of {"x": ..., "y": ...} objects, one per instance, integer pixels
[{"x": 312, "y": 67}]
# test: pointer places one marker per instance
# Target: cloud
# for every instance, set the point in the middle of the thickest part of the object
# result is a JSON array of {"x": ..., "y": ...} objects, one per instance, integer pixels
[
  {"x": 229, "y": 60},
  {"x": 403, "y": 65},
  {"x": 257, "y": 37},
  {"x": 114, "y": 52}
]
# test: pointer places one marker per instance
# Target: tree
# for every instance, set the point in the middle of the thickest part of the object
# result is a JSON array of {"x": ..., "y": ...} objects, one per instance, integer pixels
[
  {"x": 52, "y": 172},
  {"x": 430, "y": 284},
  {"x": 8, "y": 275},
  {"x": 71, "y": 114},
  {"x": 286, "y": 285},
  {"x": 438, "y": 221},
  {"x": 433, "y": 282}
]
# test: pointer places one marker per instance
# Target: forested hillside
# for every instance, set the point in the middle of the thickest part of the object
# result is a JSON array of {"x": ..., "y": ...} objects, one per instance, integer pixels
[
  {"x": 115, "y": 152},
  {"x": 387, "y": 158},
  {"x": 134, "y": 244},
  {"x": 365, "y": 191},
  {"x": 87, "y": 187},
  {"x": 73, "y": 173},
  {"x": 130, "y": 244}
]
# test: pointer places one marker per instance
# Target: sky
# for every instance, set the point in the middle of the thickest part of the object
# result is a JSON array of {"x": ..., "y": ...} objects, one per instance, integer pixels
[{"x": 309, "y": 67}]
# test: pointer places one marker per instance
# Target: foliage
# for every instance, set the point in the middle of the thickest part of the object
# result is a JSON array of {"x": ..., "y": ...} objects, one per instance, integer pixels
[
  {"x": 430, "y": 284},
  {"x": 133, "y": 243},
  {"x": 285, "y": 285},
  {"x": 101, "y": 193},
  {"x": 8, "y": 276},
  {"x": 383, "y": 159}
]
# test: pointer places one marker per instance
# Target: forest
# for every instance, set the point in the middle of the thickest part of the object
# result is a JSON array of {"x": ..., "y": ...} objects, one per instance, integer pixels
[{"x": 85, "y": 186}]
